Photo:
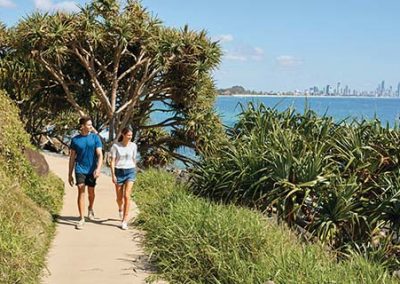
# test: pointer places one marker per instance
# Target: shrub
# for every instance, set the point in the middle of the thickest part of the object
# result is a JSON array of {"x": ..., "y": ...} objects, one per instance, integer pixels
[
  {"x": 47, "y": 192},
  {"x": 339, "y": 181},
  {"x": 192, "y": 240}
]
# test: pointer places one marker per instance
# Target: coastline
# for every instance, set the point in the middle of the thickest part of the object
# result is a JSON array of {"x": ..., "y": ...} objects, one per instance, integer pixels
[{"x": 305, "y": 96}]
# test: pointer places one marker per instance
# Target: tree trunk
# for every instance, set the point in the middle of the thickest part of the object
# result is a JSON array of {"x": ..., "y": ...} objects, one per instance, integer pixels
[{"x": 111, "y": 130}]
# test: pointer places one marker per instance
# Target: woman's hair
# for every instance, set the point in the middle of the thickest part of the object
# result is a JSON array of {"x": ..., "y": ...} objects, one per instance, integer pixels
[{"x": 124, "y": 131}]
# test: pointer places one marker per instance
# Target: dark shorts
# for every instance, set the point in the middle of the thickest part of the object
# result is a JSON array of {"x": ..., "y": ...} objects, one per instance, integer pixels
[
  {"x": 124, "y": 175},
  {"x": 86, "y": 179}
]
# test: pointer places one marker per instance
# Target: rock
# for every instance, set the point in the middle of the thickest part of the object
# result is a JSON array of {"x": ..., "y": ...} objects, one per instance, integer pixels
[
  {"x": 43, "y": 140},
  {"x": 50, "y": 147},
  {"x": 37, "y": 161},
  {"x": 65, "y": 151},
  {"x": 269, "y": 282},
  {"x": 54, "y": 145},
  {"x": 396, "y": 274},
  {"x": 58, "y": 145}
]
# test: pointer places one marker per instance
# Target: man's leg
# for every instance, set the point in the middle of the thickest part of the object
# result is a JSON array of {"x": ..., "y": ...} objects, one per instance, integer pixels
[
  {"x": 81, "y": 200},
  {"x": 91, "y": 196}
]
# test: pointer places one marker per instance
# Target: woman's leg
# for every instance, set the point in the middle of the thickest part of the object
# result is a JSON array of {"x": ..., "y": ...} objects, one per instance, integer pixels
[
  {"x": 127, "y": 199},
  {"x": 120, "y": 194}
]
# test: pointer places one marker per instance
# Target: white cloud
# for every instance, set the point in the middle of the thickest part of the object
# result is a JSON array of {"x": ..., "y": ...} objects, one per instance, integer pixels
[
  {"x": 288, "y": 61},
  {"x": 244, "y": 53},
  {"x": 7, "y": 4},
  {"x": 232, "y": 56},
  {"x": 223, "y": 38},
  {"x": 48, "y": 5},
  {"x": 258, "y": 53},
  {"x": 238, "y": 51}
]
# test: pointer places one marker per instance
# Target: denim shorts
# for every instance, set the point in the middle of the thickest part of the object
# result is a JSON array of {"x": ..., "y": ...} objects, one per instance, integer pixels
[{"x": 124, "y": 175}]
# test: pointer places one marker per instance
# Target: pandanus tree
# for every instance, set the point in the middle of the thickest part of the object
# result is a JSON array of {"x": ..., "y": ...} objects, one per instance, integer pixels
[
  {"x": 125, "y": 64},
  {"x": 37, "y": 95}
]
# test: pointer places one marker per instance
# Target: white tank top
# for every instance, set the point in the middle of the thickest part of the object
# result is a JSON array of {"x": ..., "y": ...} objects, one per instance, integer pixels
[{"x": 125, "y": 156}]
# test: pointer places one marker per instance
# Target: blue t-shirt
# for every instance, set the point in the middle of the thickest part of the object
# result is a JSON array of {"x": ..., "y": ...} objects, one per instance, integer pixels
[{"x": 85, "y": 147}]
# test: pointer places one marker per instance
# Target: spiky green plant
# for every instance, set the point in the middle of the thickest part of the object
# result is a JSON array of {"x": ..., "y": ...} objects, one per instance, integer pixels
[{"x": 339, "y": 181}]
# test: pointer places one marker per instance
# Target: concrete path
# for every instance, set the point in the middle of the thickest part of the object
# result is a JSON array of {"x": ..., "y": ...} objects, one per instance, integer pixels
[{"x": 101, "y": 252}]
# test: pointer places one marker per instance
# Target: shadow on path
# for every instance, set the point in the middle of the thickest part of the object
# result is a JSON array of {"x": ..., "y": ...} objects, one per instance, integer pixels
[
  {"x": 72, "y": 220},
  {"x": 139, "y": 262}
]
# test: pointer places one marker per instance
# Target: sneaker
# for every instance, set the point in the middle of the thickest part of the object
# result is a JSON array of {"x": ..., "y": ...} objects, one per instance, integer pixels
[
  {"x": 91, "y": 214},
  {"x": 121, "y": 214},
  {"x": 80, "y": 224},
  {"x": 124, "y": 225}
]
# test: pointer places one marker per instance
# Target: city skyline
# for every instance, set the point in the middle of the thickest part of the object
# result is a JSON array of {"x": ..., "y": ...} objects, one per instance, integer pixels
[
  {"x": 280, "y": 46},
  {"x": 346, "y": 90},
  {"x": 328, "y": 90}
]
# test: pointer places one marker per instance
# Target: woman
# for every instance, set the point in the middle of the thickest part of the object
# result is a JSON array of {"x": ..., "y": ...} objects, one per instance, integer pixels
[{"x": 123, "y": 171}]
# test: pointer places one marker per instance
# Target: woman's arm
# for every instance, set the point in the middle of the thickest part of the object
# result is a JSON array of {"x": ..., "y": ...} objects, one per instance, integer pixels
[
  {"x": 112, "y": 167},
  {"x": 134, "y": 153},
  {"x": 113, "y": 153}
]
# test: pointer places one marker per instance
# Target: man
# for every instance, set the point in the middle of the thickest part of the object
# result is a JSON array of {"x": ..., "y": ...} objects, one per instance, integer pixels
[{"x": 86, "y": 158}]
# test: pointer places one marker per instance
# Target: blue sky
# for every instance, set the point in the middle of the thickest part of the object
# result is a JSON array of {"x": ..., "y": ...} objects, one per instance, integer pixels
[{"x": 281, "y": 45}]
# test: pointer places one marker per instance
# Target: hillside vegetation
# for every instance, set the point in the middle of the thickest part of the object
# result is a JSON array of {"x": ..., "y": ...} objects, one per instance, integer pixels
[{"x": 27, "y": 203}]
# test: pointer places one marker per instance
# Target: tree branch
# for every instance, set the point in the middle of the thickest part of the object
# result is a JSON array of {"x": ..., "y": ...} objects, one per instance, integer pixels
[
  {"x": 115, "y": 80},
  {"x": 96, "y": 84},
  {"x": 135, "y": 66},
  {"x": 187, "y": 161},
  {"x": 167, "y": 122},
  {"x": 135, "y": 94},
  {"x": 96, "y": 60},
  {"x": 60, "y": 78}
]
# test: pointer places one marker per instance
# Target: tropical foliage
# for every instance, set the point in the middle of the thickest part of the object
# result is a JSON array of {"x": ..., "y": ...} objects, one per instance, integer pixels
[
  {"x": 338, "y": 181},
  {"x": 192, "y": 240},
  {"x": 118, "y": 64}
]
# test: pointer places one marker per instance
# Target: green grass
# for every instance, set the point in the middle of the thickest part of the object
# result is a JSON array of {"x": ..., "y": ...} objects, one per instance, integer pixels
[
  {"x": 47, "y": 192},
  {"x": 26, "y": 231},
  {"x": 192, "y": 240},
  {"x": 27, "y": 203}
]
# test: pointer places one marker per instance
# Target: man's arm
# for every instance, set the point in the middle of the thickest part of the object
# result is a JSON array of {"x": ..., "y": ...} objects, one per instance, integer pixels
[
  {"x": 72, "y": 157},
  {"x": 99, "y": 154}
]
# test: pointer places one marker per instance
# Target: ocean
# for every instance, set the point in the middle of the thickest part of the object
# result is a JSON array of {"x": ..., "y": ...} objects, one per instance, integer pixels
[{"x": 387, "y": 110}]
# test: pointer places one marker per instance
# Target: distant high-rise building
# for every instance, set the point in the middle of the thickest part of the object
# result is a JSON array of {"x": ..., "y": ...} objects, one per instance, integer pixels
[
  {"x": 398, "y": 90},
  {"x": 346, "y": 91},
  {"x": 327, "y": 90},
  {"x": 382, "y": 89},
  {"x": 337, "y": 89}
]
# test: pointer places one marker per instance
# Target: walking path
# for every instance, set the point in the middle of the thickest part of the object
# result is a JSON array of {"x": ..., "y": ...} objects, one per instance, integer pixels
[{"x": 101, "y": 252}]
